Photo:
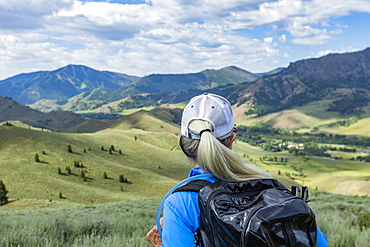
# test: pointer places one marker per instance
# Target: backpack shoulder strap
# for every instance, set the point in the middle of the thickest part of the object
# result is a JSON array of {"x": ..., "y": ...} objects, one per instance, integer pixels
[
  {"x": 187, "y": 180},
  {"x": 194, "y": 185}
]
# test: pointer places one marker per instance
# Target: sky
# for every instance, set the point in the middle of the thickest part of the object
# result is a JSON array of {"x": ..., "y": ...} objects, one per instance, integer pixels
[{"x": 142, "y": 37}]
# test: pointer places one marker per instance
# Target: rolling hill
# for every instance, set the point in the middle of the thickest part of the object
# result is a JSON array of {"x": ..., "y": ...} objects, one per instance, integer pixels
[
  {"x": 64, "y": 121},
  {"x": 146, "y": 160},
  {"x": 143, "y": 147}
]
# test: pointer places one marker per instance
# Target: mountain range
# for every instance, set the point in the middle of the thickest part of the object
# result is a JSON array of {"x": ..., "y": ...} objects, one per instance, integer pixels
[
  {"x": 335, "y": 83},
  {"x": 69, "y": 81},
  {"x": 342, "y": 80}
]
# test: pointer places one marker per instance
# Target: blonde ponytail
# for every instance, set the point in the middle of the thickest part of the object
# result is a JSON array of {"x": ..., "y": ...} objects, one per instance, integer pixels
[{"x": 214, "y": 157}]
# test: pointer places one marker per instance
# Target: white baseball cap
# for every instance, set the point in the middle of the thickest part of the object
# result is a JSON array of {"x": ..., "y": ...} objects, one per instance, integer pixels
[{"x": 212, "y": 108}]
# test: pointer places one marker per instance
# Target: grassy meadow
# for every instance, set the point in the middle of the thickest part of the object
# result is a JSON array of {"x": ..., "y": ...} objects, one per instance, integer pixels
[
  {"x": 51, "y": 205},
  {"x": 312, "y": 117},
  {"x": 344, "y": 219}
]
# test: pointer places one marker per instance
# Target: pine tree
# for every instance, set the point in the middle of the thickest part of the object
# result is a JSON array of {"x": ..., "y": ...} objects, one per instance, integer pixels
[
  {"x": 105, "y": 175},
  {"x": 69, "y": 149},
  {"x": 60, "y": 195},
  {"x": 112, "y": 147},
  {"x": 37, "y": 159},
  {"x": 59, "y": 171},
  {"x": 102, "y": 148},
  {"x": 83, "y": 175},
  {"x": 120, "y": 151},
  {"x": 3, "y": 192},
  {"x": 121, "y": 178}
]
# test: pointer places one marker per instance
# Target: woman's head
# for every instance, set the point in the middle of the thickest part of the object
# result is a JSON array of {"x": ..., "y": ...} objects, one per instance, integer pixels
[
  {"x": 207, "y": 129},
  {"x": 211, "y": 108}
]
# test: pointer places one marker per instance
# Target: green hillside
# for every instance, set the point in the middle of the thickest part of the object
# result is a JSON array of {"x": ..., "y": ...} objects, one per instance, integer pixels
[
  {"x": 312, "y": 118},
  {"x": 149, "y": 159},
  {"x": 152, "y": 161}
]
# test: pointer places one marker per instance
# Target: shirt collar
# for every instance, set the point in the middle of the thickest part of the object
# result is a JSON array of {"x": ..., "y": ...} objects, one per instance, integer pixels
[{"x": 196, "y": 171}]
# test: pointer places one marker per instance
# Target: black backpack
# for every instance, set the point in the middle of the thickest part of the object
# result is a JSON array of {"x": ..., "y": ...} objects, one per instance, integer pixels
[{"x": 258, "y": 212}]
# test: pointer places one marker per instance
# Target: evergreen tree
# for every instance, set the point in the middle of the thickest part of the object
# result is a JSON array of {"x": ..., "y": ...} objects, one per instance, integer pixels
[
  {"x": 120, "y": 151},
  {"x": 69, "y": 149},
  {"x": 3, "y": 193},
  {"x": 110, "y": 150},
  {"x": 121, "y": 178},
  {"x": 59, "y": 171},
  {"x": 102, "y": 148},
  {"x": 37, "y": 159},
  {"x": 76, "y": 163},
  {"x": 105, "y": 175},
  {"x": 60, "y": 195},
  {"x": 112, "y": 147}
]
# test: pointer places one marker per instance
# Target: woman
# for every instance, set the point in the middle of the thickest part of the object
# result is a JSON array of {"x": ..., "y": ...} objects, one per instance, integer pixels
[{"x": 208, "y": 133}]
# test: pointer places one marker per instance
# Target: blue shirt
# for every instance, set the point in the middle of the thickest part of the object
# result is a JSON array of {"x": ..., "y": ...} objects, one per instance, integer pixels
[{"x": 181, "y": 218}]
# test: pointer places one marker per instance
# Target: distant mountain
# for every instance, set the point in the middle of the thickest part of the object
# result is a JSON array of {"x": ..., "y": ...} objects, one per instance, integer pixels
[
  {"x": 342, "y": 78},
  {"x": 172, "y": 83},
  {"x": 155, "y": 84},
  {"x": 60, "y": 84},
  {"x": 64, "y": 121},
  {"x": 272, "y": 72}
]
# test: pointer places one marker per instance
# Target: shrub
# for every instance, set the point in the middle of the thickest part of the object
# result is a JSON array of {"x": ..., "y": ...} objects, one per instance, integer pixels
[
  {"x": 37, "y": 159},
  {"x": 363, "y": 220},
  {"x": 3, "y": 194},
  {"x": 121, "y": 178}
]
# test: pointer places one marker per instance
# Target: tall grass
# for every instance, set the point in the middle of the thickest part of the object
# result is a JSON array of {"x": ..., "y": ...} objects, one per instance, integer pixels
[
  {"x": 114, "y": 224},
  {"x": 345, "y": 221}
]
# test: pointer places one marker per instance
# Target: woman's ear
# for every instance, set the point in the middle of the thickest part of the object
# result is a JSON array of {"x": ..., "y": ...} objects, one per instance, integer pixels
[{"x": 229, "y": 142}]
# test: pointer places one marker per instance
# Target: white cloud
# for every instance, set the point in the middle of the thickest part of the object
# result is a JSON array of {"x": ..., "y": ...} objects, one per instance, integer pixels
[
  {"x": 164, "y": 36},
  {"x": 25, "y": 14},
  {"x": 283, "y": 38},
  {"x": 326, "y": 52}
]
